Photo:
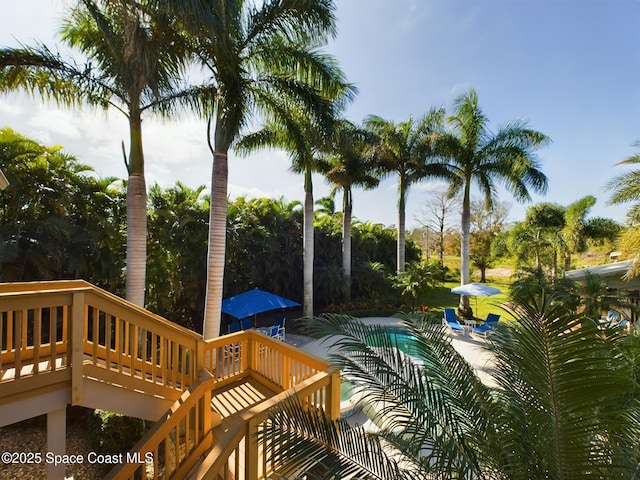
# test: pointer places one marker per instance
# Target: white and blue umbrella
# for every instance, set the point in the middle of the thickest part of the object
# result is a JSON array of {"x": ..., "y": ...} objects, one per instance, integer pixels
[{"x": 476, "y": 289}]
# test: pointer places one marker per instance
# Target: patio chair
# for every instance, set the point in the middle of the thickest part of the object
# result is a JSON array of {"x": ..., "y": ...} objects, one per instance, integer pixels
[
  {"x": 246, "y": 323},
  {"x": 492, "y": 319},
  {"x": 274, "y": 332},
  {"x": 233, "y": 349},
  {"x": 612, "y": 316},
  {"x": 486, "y": 329},
  {"x": 615, "y": 320},
  {"x": 280, "y": 324},
  {"x": 450, "y": 320}
]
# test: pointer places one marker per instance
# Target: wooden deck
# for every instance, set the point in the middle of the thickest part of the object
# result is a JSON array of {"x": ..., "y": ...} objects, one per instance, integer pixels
[
  {"x": 234, "y": 399},
  {"x": 8, "y": 373}
]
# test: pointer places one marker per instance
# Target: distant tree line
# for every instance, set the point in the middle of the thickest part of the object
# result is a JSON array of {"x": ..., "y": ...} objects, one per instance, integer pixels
[{"x": 59, "y": 221}]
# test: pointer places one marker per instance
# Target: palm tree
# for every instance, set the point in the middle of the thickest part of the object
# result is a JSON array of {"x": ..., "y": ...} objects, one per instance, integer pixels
[
  {"x": 326, "y": 206},
  {"x": 575, "y": 230},
  {"x": 302, "y": 141},
  {"x": 134, "y": 61},
  {"x": 405, "y": 149},
  {"x": 262, "y": 60},
  {"x": 349, "y": 164},
  {"x": 626, "y": 188},
  {"x": 561, "y": 402},
  {"x": 543, "y": 226},
  {"x": 471, "y": 153}
]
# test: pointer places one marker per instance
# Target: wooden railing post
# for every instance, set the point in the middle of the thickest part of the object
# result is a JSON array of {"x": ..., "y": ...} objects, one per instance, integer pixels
[
  {"x": 17, "y": 339},
  {"x": 200, "y": 357},
  {"x": 207, "y": 424},
  {"x": 287, "y": 380},
  {"x": 333, "y": 395},
  {"x": 248, "y": 343},
  {"x": 251, "y": 450},
  {"x": 77, "y": 347}
]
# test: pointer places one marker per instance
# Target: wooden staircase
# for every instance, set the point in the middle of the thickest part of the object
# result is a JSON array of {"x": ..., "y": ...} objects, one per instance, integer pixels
[{"x": 71, "y": 343}]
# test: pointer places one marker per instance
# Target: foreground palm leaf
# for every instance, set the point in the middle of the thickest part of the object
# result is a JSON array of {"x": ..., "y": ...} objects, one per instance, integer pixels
[
  {"x": 312, "y": 446},
  {"x": 563, "y": 403}
]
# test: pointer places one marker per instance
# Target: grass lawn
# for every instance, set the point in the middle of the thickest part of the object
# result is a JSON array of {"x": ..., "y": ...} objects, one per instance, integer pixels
[{"x": 441, "y": 297}]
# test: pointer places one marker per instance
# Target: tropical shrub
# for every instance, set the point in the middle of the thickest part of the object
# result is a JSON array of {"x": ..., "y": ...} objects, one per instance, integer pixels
[
  {"x": 417, "y": 279},
  {"x": 57, "y": 221}
]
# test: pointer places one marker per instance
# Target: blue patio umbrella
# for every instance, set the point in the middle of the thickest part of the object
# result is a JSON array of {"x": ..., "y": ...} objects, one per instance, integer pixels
[{"x": 253, "y": 302}]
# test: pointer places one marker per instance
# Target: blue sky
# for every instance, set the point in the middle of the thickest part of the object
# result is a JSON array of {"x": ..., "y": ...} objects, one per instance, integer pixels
[{"x": 571, "y": 68}]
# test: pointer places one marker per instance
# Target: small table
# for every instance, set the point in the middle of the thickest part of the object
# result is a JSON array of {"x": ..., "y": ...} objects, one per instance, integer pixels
[{"x": 470, "y": 323}]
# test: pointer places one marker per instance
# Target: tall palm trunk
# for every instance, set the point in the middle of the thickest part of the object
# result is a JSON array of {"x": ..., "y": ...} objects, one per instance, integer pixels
[
  {"x": 464, "y": 247},
  {"x": 217, "y": 244},
  {"x": 136, "y": 216},
  {"x": 567, "y": 261},
  {"x": 307, "y": 245},
  {"x": 346, "y": 242},
  {"x": 400, "y": 256}
]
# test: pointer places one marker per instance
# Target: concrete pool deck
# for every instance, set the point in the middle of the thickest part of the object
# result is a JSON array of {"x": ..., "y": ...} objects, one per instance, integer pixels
[{"x": 469, "y": 346}]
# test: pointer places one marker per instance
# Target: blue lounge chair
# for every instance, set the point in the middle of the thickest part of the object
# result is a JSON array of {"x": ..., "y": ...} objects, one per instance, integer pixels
[
  {"x": 234, "y": 327},
  {"x": 488, "y": 327},
  {"x": 614, "y": 320},
  {"x": 451, "y": 320},
  {"x": 246, "y": 323}
]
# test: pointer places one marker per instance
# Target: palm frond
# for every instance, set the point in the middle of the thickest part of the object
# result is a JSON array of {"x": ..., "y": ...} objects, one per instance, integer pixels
[
  {"x": 306, "y": 443},
  {"x": 423, "y": 405},
  {"x": 555, "y": 377},
  {"x": 39, "y": 71}
]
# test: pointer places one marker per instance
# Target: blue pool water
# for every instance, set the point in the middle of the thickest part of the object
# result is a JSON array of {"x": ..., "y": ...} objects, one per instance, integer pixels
[
  {"x": 399, "y": 339},
  {"x": 347, "y": 389}
]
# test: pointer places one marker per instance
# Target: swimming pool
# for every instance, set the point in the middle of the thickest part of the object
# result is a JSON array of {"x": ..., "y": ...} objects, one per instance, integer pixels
[{"x": 396, "y": 338}]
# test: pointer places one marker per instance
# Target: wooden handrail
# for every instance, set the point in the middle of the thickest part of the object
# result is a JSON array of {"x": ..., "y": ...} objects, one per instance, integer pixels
[
  {"x": 312, "y": 392},
  {"x": 55, "y": 325},
  {"x": 181, "y": 439}
]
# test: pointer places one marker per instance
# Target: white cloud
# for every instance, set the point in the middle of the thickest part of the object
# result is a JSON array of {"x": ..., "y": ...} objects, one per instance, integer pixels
[
  {"x": 236, "y": 191},
  {"x": 10, "y": 108},
  {"x": 61, "y": 122}
]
